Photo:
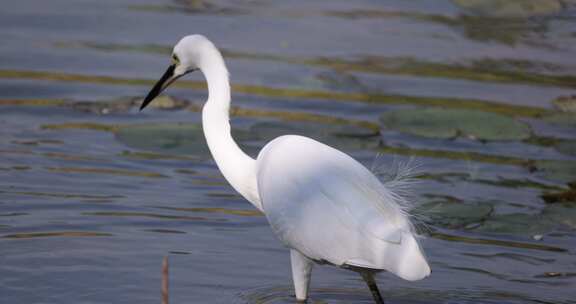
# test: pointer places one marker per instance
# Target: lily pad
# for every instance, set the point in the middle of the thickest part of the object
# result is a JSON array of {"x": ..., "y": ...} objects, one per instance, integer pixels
[
  {"x": 188, "y": 139},
  {"x": 517, "y": 224},
  {"x": 568, "y": 119},
  {"x": 454, "y": 214},
  {"x": 175, "y": 138},
  {"x": 565, "y": 103},
  {"x": 185, "y": 139},
  {"x": 567, "y": 147},
  {"x": 124, "y": 104},
  {"x": 563, "y": 171},
  {"x": 451, "y": 123},
  {"x": 165, "y": 102},
  {"x": 343, "y": 136},
  {"x": 564, "y": 214},
  {"x": 510, "y": 8}
]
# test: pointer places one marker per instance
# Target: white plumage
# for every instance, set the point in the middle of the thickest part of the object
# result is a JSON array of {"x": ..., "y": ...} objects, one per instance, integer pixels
[
  {"x": 321, "y": 203},
  {"x": 330, "y": 208}
]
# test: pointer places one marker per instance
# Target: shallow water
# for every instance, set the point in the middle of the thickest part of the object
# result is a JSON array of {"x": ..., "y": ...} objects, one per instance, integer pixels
[{"x": 94, "y": 193}]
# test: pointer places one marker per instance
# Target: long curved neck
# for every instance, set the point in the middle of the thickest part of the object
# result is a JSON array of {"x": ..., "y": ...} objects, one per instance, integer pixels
[{"x": 236, "y": 166}]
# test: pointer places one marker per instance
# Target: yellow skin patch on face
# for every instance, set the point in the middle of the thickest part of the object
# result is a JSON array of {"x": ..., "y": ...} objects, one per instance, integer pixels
[{"x": 175, "y": 59}]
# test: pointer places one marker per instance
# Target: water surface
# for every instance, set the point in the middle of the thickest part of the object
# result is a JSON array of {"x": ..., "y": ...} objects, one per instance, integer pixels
[{"x": 94, "y": 193}]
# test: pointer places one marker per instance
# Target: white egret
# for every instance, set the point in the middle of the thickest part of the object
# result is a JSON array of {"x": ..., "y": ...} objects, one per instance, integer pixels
[{"x": 322, "y": 204}]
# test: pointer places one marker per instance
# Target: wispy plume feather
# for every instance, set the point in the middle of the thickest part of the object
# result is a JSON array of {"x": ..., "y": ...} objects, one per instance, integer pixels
[{"x": 400, "y": 179}]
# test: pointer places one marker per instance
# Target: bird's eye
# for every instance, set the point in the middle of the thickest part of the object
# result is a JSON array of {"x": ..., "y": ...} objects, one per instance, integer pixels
[{"x": 175, "y": 59}]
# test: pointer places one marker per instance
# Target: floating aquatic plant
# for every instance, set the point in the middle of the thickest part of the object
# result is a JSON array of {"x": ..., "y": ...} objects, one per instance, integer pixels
[
  {"x": 454, "y": 214},
  {"x": 565, "y": 104},
  {"x": 558, "y": 170},
  {"x": 510, "y": 8},
  {"x": 517, "y": 224},
  {"x": 567, "y": 147},
  {"x": 350, "y": 136},
  {"x": 172, "y": 138},
  {"x": 451, "y": 123}
]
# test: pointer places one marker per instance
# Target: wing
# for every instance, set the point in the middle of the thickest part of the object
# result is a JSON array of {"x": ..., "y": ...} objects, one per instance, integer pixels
[{"x": 328, "y": 206}]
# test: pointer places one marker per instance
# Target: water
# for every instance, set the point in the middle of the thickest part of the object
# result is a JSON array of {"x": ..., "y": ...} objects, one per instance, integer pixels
[{"x": 94, "y": 193}]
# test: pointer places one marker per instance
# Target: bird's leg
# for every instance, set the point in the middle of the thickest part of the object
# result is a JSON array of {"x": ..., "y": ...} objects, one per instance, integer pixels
[
  {"x": 369, "y": 279},
  {"x": 301, "y": 271}
]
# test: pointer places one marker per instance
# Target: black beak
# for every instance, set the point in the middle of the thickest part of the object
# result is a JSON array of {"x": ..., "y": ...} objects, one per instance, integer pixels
[{"x": 164, "y": 81}]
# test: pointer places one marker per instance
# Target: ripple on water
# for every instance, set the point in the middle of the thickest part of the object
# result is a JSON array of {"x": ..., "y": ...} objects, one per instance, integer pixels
[
  {"x": 71, "y": 234},
  {"x": 149, "y": 215},
  {"x": 285, "y": 294},
  {"x": 216, "y": 210},
  {"x": 165, "y": 231},
  {"x": 63, "y": 195},
  {"x": 107, "y": 171}
]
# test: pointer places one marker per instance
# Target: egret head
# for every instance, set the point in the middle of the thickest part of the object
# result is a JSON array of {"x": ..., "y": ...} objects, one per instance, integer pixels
[
  {"x": 189, "y": 55},
  {"x": 411, "y": 264}
]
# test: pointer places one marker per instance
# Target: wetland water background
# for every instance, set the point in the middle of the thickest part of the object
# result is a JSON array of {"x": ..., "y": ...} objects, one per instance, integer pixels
[{"x": 94, "y": 193}]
